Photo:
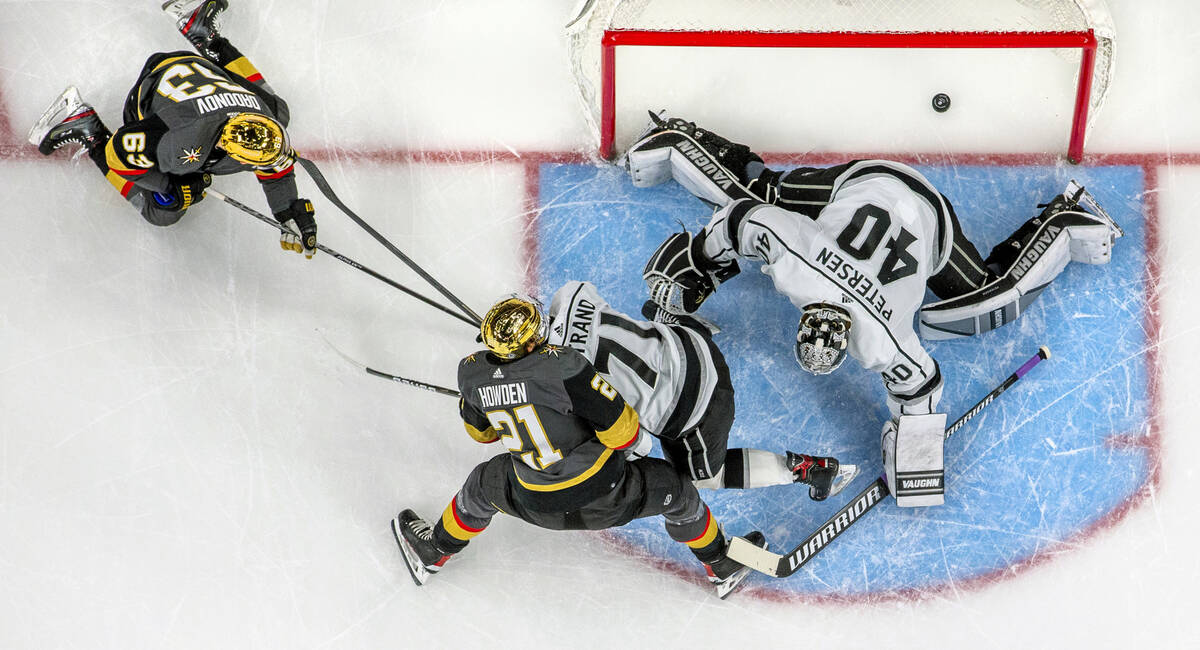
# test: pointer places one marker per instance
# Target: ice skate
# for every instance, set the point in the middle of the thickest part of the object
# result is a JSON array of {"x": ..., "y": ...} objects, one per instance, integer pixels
[
  {"x": 824, "y": 476},
  {"x": 727, "y": 574},
  {"x": 415, "y": 537},
  {"x": 196, "y": 19},
  {"x": 1081, "y": 197},
  {"x": 68, "y": 120}
]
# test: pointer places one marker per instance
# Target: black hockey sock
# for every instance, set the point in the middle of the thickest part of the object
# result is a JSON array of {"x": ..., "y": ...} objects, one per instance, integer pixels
[
  {"x": 97, "y": 152},
  {"x": 224, "y": 51}
]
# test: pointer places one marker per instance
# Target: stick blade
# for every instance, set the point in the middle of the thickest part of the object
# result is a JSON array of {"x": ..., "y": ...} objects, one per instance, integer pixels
[{"x": 755, "y": 557}]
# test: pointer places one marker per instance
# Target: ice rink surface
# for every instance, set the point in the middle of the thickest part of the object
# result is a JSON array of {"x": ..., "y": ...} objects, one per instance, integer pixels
[{"x": 185, "y": 463}]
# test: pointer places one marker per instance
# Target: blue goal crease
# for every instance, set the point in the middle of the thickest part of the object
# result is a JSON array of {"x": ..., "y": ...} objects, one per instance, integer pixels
[{"x": 1033, "y": 470}]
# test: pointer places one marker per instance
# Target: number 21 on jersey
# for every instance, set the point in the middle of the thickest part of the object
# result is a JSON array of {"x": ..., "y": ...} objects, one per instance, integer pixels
[{"x": 525, "y": 422}]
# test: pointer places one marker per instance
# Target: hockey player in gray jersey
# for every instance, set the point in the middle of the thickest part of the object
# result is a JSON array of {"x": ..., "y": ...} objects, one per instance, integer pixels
[
  {"x": 566, "y": 431},
  {"x": 186, "y": 119},
  {"x": 676, "y": 378},
  {"x": 854, "y": 247}
]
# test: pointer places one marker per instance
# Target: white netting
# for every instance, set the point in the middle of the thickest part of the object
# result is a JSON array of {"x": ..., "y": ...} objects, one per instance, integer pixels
[{"x": 596, "y": 17}]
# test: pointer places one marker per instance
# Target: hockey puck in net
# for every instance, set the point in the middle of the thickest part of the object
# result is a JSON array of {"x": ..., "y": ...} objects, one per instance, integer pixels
[{"x": 941, "y": 102}]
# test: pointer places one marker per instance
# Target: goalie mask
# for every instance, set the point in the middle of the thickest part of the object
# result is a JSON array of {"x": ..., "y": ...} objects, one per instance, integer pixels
[
  {"x": 822, "y": 338},
  {"x": 254, "y": 139},
  {"x": 512, "y": 323}
]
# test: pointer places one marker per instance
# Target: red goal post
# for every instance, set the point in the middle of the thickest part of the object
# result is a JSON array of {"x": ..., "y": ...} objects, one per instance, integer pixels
[{"x": 1081, "y": 26}]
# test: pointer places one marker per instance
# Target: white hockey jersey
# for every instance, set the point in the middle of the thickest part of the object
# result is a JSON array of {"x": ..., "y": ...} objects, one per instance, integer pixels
[
  {"x": 871, "y": 249},
  {"x": 665, "y": 372}
]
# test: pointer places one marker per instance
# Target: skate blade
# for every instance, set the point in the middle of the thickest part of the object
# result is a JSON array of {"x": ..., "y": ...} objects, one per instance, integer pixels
[
  {"x": 1081, "y": 195},
  {"x": 730, "y": 585},
  {"x": 657, "y": 121},
  {"x": 846, "y": 474},
  {"x": 60, "y": 108},
  {"x": 416, "y": 568}
]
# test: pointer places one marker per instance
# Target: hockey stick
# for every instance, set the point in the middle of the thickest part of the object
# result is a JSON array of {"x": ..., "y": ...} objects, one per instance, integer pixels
[
  {"x": 441, "y": 390},
  {"x": 781, "y": 566},
  {"x": 341, "y": 258},
  {"x": 323, "y": 185}
]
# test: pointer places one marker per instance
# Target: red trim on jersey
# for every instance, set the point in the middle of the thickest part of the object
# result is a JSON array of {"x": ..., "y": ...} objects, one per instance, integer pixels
[
  {"x": 454, "y": 511},
  {"x": 270, "y": 177},
  {"x": 126, "y": 188},
  {"x": 129, "y": 172},
  {"x": 255, "y": 78}
]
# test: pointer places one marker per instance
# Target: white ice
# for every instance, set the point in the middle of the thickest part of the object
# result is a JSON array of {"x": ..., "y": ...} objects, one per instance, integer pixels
[{"x": 185, "y": 464}]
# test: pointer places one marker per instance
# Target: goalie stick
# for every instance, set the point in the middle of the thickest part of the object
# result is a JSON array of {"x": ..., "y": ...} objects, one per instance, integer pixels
[{"x": 781, "y": 566}]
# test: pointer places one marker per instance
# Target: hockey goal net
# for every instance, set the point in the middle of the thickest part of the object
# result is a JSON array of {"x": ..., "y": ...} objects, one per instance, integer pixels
[{"x": 1079, "y": 31}]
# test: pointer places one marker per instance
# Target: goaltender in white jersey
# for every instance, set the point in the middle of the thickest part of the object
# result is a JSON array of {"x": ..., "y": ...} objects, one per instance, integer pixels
[
  {"x": 854, "y": 247},
  {"x": 869, "y": 254},
  {"x": 670, "y": 371}
]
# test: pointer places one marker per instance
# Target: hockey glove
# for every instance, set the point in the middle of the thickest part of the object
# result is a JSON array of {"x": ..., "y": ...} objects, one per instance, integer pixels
[
  {"x": 680, "y": 278},
  {"x": 185, "y": 191},
  {"x": 298, "y": 218}
]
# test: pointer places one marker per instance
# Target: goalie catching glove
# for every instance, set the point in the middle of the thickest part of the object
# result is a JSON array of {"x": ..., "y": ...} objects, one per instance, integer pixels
[
  {"x": 298, "y": 218},
  {"x": 680, "y": 278}
]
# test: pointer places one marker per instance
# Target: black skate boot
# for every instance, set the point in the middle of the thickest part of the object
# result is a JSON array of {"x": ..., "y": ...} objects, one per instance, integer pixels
[
  {"x": 727, "y": 574},
  {"x": 823, "y": 475},
  {"x": 196, "y": 20},
  {"x": 421, "y": 554},
  {"x": 68, "y": 120}
]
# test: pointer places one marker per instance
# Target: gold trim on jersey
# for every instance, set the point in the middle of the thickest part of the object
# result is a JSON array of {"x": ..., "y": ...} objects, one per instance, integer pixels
[
  {"x": 571, "y": 482},
  {"x": 485, "y": 436},
  {"x": 623, "y": 432}
]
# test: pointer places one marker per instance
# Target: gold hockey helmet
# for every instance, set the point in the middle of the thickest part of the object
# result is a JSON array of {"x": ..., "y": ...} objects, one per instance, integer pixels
[
  {"x": 512, "y": 323},
  {"x": 254, "y": 139}
]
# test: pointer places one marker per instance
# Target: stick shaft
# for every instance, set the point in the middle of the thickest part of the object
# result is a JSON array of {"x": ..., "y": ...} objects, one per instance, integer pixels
[
  {"x": 342, "y": 258},
  {"x": 323, "y": 185}
]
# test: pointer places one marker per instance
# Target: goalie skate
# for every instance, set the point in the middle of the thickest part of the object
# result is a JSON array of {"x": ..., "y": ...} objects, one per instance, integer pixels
[{"x": 1079, "y": 194}]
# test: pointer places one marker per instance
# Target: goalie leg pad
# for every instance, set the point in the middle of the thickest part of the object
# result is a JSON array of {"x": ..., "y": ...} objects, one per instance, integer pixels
[
  {"x": 668, "y": 154},
  {"x": 913, "y": 460},
  {"x": 1031, "y": 258}
]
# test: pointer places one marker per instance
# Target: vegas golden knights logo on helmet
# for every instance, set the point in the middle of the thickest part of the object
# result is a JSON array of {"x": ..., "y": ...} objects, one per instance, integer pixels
[
  {"x": 254, "y": 139},
  {"x": 512, "y": 323}
]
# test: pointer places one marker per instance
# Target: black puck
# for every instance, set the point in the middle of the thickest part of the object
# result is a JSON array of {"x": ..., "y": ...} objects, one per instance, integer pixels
[{"x": 941, "y": 102}]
